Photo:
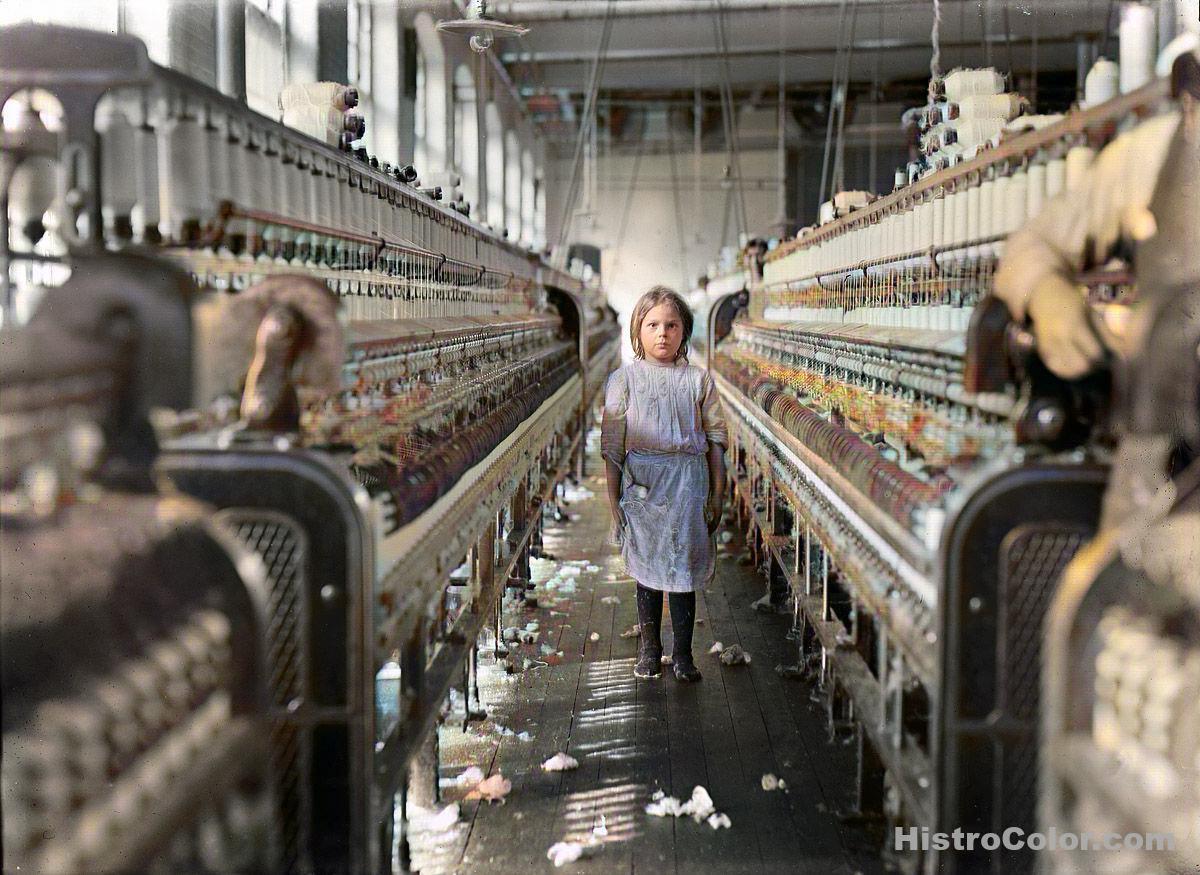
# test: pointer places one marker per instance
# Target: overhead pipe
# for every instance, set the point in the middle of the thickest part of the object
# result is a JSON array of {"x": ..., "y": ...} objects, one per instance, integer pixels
[
  {"x": 574, "y": 56},
  {"x": 524, "y": 11}
]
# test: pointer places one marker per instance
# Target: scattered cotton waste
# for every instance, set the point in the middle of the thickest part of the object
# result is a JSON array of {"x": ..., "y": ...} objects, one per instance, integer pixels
[
  {"x": 570, "y": 571},
  {"x": 567, "y": 587},
  {"x": 610, "y": 600},
  {"x": 699, "y": 621},
  {"x": 726, "y": 537},
  {"x": 564, "y": 852},
  {"x": 531, "y": 627},
  {"x": 524, "y": 736},
  {"x": 600, "y": 830},
  {"x": 699, "y": 806},
  {"x": 666, "y": 659},
  {"x": 526, "y": 637},
  {"x": 439, "y": 821},
  {"x": 560, "y": 762},
  {"x": 492, "y": 789},
  {"x": 577, "y": 493},
  {"x": 591, "y": 569},
  {"x": 510, "y": 634},
  {"x": 717, "y": 647},
  {"x": 547, "y": 650},
  {"x": 770, "y": 782},
  {"x": 595, "y": 636},
  {"x": 734, "y": 655},
  {"x": 658, "y": 794},
  {"x": 470, "y": 776},
  {"x": 631, "y": 632},
  {"x": 667, "y": 806},
  {"x": 719, "y": 821}
]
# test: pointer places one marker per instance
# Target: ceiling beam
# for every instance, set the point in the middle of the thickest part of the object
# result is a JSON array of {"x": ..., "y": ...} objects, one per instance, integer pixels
[
  {"x": 660, "y": 55},
  {"x": 524, "y": 11}
]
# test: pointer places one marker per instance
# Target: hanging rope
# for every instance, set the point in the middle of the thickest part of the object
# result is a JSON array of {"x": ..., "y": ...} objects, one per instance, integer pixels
[
  {"x": 833, "y": 94},
  {"x": 727, "y": 116},
  {"x": 838, "y": 179},
  {"x": 935, "y": 37},
  {"x": 679, "y": 235},
  {"x": 586, "y": 121},
  {"x": 629, "y": 192}
]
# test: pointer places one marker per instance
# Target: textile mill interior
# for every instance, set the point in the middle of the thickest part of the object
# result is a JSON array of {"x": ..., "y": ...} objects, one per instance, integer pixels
[{"x": 641, "y": 436}]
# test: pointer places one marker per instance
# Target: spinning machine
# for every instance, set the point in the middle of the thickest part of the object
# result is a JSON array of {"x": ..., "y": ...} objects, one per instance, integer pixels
[
  {"x": 385, "y": 396},
  {"x": 917, "y": 481}
]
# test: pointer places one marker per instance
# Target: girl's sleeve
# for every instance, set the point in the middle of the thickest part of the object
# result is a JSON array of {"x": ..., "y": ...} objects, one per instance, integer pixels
[
  {"x": 612, "y": 426},
  {"x": 712, "y": 420}
]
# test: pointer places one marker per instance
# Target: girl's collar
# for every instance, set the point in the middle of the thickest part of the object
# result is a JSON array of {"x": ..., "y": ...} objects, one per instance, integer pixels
[{"x": 679, "y": 362}]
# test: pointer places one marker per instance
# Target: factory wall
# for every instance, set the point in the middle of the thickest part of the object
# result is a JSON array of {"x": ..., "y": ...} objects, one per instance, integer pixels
[{"x": 403, "y": 67}]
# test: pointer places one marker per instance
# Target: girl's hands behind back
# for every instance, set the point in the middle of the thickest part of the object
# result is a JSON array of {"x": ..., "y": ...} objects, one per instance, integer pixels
[{"x": 712, "y": 514}]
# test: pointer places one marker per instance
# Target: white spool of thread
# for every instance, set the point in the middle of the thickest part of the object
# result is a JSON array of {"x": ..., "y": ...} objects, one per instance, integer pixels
[
  {"x": 980, "y": 106},
  {"x": 960, "y": 84},
  {"x": 1018, "y": 201},
  {"x": 999, "y": 221},
  {"x": 118, "y": 188},
  {"x": 219, "y": 162},
  {"x": 1079, "y": 159},
  {"x": 1139, "y": 45},
  {"x": 957, "y": 215},
  {"x": 973, "y": 220},
  {"x": 925, "y": 224},
  {"x": 145, "y": 211},
  {"x": 987, "y": 223},
  {"x": 1056, "y": 176},
  {"x": 183, "y": 177},
  {"x": 1102, "y": 83},
  {"x": 938, "y": 209},
  {"x": 1037, "y": 189}
]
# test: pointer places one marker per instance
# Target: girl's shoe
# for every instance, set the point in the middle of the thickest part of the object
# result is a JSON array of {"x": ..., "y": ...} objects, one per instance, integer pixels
[
  {"x": 648, "y": 666},
  {"x": 687, "y": 673}
]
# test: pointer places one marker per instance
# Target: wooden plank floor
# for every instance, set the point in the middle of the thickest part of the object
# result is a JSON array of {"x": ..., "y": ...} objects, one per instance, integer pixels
[{"x": 574, "y": 691}]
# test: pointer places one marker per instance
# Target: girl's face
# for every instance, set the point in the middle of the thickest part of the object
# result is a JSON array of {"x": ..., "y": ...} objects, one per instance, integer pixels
[{"x": 662, "y": 333}]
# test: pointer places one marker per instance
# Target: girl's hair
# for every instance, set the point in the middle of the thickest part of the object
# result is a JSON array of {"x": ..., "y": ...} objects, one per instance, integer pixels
[{"x": 647, "y": 302}]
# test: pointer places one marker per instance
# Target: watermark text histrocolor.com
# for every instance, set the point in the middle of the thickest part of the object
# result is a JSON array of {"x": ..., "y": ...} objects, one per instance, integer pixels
[{"x": 1015, "y": 839}]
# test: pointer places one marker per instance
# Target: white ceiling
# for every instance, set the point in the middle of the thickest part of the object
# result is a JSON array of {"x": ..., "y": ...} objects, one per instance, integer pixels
[{"x": 669, "y": 51}]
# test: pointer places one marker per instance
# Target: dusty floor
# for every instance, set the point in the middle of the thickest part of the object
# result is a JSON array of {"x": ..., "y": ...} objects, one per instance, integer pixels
[{"x": 574, "y": 691}]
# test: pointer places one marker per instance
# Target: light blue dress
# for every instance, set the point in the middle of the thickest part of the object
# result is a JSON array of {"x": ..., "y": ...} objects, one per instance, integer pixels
[{"x": 659, "y": 421}]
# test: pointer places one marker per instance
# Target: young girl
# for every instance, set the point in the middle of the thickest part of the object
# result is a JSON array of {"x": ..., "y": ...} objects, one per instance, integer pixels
[{"x": 663, "y": 440}]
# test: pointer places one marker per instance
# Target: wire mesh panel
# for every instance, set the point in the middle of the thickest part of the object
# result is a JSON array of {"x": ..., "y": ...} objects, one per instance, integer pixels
[
  {"x": 281, "y": 544},
  {"x": 1033, "y": 560}
]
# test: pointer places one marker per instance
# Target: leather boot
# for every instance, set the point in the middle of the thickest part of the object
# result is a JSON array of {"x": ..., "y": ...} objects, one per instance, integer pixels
[
  {"x": 650, "y": 606},
  {"x": 683, "y": 620}
]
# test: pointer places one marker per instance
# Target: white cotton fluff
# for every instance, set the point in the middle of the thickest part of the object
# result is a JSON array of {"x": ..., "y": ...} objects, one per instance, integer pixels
[
  {"x": 562, "y": 853},
  {"x": 720, "y": 821},
  {"x": 770, "y": 782},
  {"x": 664, "y": 806},
  {"x": 470, "y": 776},
  {"x": 716, "y": 648},
  {"x": 700, "y": 806},
  {"x": 595, "y": 636},
  {"x": 610, "y": 600},
  {"x": 735, "y": 655},
  {"x": 560, "y": 762},
  {"x": 437, "y": 821},
  {"x": 592, "y": 569}
]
